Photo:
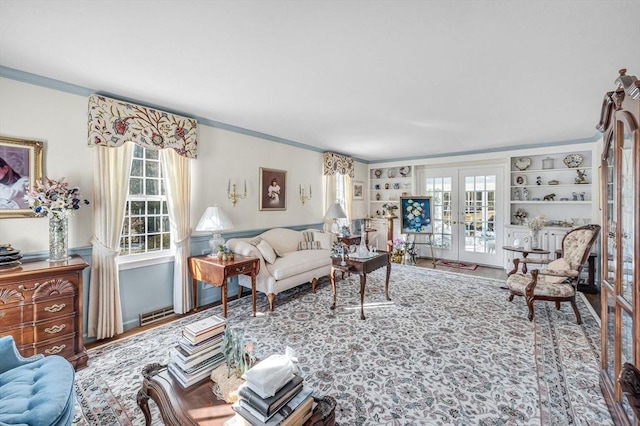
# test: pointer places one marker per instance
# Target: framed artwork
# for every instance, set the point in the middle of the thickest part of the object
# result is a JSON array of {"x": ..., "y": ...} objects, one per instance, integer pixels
[
  {"x": 273, "y": 189},
  {"x": 415, "y": 215},
  {"x": 20, "y": 167},
  {"x": 519, "y": 180},
  {"x": 358, "y": 190}
]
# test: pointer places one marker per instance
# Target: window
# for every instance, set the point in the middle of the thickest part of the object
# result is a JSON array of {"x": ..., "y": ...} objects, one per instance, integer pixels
[
  {"x": 341, "y": 196},
  {"x": 146, "y": 219}
]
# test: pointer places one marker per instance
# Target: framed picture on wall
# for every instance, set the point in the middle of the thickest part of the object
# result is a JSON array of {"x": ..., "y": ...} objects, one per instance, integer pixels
[
  {"x": 20, "y": 167},
  {"x": 358, "y": 190},
  {"x": 273, "y": 189}
]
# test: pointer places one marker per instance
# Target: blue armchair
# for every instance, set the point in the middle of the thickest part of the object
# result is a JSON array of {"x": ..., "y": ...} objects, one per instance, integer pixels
[{"x": 34, "y": 391}]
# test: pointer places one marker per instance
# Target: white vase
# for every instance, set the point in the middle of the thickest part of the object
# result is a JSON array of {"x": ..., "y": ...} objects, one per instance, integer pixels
[{"x": 535, "y": 240}]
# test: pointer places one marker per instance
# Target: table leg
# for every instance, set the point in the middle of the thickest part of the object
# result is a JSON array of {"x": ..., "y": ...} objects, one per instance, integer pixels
[
  {"x": 386, "y": 283},
  {"x": 194, "y": 283},
  {"x": 253, "y": 292},
  {"x": 332, "y": 277},
  {"x": 524, "y": 265},
  {"x": 224, "y": 297},
  {"x": 143, "y": 403},
  {"x": 363, "y": 283}
]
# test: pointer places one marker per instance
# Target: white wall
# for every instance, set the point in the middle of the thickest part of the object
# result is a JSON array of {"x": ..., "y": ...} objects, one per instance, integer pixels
[{"x": 59, "y": 119}]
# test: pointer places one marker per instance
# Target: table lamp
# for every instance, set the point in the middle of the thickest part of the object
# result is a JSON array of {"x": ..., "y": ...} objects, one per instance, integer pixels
[
  {"x": 335, "y": 212},
  {"x": 214, "y": 220}
]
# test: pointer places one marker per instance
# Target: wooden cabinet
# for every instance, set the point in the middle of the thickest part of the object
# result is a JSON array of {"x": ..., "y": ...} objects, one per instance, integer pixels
[
  {"x": 620, "y": 276},
  {"x": 41, "y": 307}
]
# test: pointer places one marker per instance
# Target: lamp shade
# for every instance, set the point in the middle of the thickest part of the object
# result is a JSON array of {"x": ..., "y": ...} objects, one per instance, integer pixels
[
  {"x": 335, "y": 211},
  {"x": 214, "y": 219}
]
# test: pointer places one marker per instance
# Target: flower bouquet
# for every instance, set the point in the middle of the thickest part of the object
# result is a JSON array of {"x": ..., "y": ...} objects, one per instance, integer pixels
[
  {"x": 54, "y": 198},
  {"x": 390, "y": 209}
]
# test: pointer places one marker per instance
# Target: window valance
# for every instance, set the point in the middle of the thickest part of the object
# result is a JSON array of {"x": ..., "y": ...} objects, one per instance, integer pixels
[
  {"x": 338, "y": 164},
  {"x": 113, "y": 122}
]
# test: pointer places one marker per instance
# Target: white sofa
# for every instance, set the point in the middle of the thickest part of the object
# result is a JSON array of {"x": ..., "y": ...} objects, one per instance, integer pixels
[{"x": 284, "y": 264}]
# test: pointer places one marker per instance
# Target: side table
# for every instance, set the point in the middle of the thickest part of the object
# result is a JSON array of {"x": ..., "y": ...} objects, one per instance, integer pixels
[
  {"x": 198, "y": 405},
  {"x": 350, "y": 240},
  {"x": 212, "y": 270},
  {"x": 525, "y": 253}
]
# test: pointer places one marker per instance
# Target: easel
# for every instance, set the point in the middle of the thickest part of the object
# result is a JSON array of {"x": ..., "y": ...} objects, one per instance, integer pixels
[{"x": 430, "y": 244}]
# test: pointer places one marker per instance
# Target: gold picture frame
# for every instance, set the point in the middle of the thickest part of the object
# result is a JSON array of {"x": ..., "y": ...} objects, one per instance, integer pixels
[
  {"x": 273, "y": 189},
  {"x": 20, "y": 167}
]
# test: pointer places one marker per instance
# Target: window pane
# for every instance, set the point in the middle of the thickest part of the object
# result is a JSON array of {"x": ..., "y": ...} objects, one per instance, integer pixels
[
  {"x": 135, "y": 186},
  {"x": 138, "y": 151},
  {"x": 154, "y": 207},
  {"x": 152, "y": 169},
  {"x": 153, "y": 224},
  {"x": 152, "y": 187},
  {"x": 136, "y": 168},
  {"x": 165, "y": 224},
  {"x": 151, "y": 154},
  {"x": 137, "y": 208}
]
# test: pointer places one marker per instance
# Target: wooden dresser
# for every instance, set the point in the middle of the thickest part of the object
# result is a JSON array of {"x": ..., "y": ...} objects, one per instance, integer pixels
[{"x": 41, "y": 307}]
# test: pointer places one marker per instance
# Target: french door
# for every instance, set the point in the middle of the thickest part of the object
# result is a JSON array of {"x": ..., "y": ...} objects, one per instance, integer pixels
[{"x": 466, "y": 212}]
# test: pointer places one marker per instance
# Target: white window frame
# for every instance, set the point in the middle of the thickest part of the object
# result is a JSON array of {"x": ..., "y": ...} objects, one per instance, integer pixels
[{"x": 137, "y": 260}]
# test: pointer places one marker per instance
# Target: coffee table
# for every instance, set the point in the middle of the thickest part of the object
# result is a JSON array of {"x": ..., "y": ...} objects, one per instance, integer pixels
[
  {"x": 197, "y": 404},
  {"x": 361, "y": 267}
]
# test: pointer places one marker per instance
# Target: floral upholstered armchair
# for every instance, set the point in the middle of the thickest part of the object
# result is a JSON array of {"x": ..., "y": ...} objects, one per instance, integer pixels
[{"x": 559, "y": 280}]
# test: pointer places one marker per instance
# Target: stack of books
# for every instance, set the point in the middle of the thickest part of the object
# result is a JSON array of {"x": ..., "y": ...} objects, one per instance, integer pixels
[
  {"x": 292, "y": 405},
  {"x": 198, "y": 352}
]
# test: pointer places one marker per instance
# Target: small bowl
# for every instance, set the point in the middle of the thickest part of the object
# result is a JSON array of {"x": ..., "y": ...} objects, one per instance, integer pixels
[
  {"x": 535, "y": 199},
  {"x": 553, "y": 182},
  {"x": 564, "y": 199}
]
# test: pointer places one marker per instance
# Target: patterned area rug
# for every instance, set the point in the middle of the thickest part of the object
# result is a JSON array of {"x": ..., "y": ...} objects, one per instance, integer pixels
[{"x": 448, "y": 349}]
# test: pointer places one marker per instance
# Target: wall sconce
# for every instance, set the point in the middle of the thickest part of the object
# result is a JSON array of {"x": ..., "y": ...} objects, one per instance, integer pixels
[
  {"x": 304, "y": 198},
  {"x": 235, "y": 196}
]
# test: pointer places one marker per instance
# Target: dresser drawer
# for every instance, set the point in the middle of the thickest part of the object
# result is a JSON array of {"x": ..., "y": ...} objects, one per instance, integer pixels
[
  {"x": 63, "y": 346},
  {"x": 53, "y": 328},
  {"x": 22, "y": 334},
  {"x": 53, "y": 308},
  {"x": 13, "y": 315}
]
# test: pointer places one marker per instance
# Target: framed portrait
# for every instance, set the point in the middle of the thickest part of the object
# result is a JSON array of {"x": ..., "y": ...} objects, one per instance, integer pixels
[
  {"x": 519, "y": 180},
  {"x": 358, "y": 190},
  {"x": 20, "y": 167},
  {"x": 415, "y": 215},
  {"x": 273, "y": 189}
]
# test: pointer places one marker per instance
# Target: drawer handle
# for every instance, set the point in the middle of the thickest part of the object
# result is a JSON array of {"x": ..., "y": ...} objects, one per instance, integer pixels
[
  {"x": 241, "y": 269},
  {"x": 55, "y": 350},
  {"x": 55, "y": 308},
  {"x": 55, "y": 329},
  {"x": 23, "y": 288}
]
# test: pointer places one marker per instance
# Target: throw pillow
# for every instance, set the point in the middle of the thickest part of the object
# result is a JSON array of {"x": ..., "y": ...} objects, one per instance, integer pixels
[
  {"x": 557, "y": 265},
  {"x": 255, "y": 241},
  {"x": 309, "y": 245},
  {"x": 308, "y": 236},
  {"x": 324, "y": 238},
  {"x": 266, "y": 251}
]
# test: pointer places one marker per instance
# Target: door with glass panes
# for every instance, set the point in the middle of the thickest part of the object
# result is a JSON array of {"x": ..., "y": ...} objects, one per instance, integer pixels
[{"x": 466, "y": 212}]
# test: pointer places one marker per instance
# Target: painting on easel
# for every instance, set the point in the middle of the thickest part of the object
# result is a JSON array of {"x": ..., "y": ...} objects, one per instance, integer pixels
[{"x": 415, "y": 215}]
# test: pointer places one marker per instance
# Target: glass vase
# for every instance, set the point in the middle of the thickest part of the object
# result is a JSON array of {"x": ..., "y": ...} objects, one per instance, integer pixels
[
  {"x": 58, "y": 239},
  {"x": 535, "y": 240}
]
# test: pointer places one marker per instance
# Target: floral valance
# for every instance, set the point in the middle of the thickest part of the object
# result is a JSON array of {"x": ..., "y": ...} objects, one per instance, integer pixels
[
  {"x": 113, "y": 122},
  {"x": 338, "y": 164}
]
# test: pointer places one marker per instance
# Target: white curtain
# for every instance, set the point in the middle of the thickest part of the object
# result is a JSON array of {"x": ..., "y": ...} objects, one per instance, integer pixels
[
  {"x": 111, "y": 170},
  {"x": 177, "y": 179},
  {"x": 329, "y": 198}
]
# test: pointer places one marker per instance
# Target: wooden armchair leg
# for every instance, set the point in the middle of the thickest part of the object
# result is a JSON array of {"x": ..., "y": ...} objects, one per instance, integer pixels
[
  {"x": 575, "y": 310},
  {"x": 530, "y": 306}
]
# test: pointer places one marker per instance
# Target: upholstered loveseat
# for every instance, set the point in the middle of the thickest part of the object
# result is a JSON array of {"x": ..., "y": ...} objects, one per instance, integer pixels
[
  {"x": 288, "y": 258},
  {"x": 34, "y": 391}
]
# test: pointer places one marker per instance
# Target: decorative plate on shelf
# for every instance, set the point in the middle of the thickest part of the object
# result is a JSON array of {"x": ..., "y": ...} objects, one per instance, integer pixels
[
  {"x": 573, "y": 160},
  {"x": 377, "y": 173},
  {"x": 391, "y": 173},
  {"x": 522, "y": 163},
  {"x": 404, "y": 171}
]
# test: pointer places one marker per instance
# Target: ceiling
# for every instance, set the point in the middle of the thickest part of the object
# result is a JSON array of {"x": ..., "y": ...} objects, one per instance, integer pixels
[{"x": 377, "y": 80}]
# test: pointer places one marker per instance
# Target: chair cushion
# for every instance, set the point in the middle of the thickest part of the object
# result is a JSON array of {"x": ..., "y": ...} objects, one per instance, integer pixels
[
  {"x": 38, "y": 393},
  {"x": 558, "y": 265},
  {"x": 518, "y": 282}
]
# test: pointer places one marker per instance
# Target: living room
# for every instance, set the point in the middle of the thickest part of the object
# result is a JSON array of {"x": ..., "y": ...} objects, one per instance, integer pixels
[{"x": 39, "y": 106}]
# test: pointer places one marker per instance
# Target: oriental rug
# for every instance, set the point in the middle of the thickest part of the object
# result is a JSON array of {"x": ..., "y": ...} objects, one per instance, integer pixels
[{"x": 448, "y": 349}]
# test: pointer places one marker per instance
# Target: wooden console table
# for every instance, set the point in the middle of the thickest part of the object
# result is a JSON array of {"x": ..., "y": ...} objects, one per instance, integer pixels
[
  {"x": 214, "y": 271},
  {"x": 197, "y": 404},
  {"x": 361, "y": 267}
]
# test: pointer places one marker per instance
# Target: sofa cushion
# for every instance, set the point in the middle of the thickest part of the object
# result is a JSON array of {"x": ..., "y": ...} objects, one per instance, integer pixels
[
  {"x": 324, "y": 238},
  {"x": 267, "y": 251},
  {"x": 297, "y": 262},
  {"x": 309, "y": 245},
  {"x": 38, "y": 393}
]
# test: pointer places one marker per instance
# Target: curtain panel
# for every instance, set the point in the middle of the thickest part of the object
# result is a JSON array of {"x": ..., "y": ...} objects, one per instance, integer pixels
[
  {"x": 113, "y": 122},
  {"x": 338, "y": 164}
]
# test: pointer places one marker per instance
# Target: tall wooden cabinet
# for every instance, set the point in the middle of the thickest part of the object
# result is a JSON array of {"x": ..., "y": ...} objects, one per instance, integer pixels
[
  {"x": 41, "y": 307},
  {"x": 620, "y": 202}
]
